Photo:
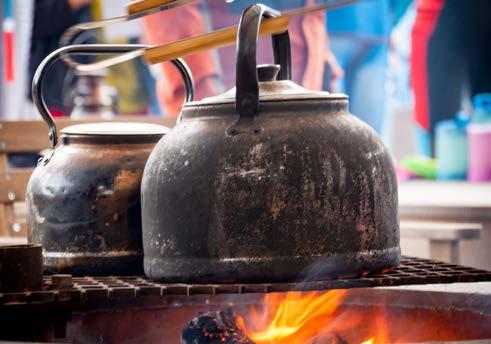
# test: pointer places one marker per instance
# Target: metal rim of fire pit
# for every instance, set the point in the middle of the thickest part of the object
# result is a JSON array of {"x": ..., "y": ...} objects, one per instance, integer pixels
[{"x": 411, "y": 271}]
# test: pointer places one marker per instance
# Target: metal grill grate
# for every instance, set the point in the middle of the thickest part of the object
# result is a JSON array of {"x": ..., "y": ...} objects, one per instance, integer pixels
[{"x": 410, "y": 271}]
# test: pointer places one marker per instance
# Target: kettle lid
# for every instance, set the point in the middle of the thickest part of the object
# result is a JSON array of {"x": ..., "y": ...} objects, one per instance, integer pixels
[
  {"x": 271, "y": 90},
  {"x": 116, "y": 129}
]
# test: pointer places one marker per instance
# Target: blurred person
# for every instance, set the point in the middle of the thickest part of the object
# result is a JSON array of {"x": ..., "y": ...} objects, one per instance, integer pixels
[
  {"x": 214, "y": 71},
  {"x": 359, "y": 39},
  {"x": 172, "y": 25},
  {"x": 307, "y": 35},
  {"x": 451, "y": 51},
  {"x": 16, "y": 19},
  {"x": 51, "y": 19},
  {"x": 136, "y": 85},
  {"x": 399, "y": 101}
]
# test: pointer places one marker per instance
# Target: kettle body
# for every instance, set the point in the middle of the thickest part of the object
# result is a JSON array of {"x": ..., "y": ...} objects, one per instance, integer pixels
[
  {"x": 308, "y": 195},
  {"x": 268, "y": 183},
  {"x": 83, "y": 200}
]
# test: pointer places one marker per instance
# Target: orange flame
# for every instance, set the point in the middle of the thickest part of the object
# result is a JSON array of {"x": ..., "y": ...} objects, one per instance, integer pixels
[{"x": 310, "y": 317}]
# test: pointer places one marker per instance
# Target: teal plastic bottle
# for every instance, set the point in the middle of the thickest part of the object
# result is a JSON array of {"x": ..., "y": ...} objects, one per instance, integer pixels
[{"x": 451, "y": 148}]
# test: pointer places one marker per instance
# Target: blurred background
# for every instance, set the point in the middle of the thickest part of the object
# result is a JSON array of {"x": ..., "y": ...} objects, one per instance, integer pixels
[{"x": 417, "y": 71}]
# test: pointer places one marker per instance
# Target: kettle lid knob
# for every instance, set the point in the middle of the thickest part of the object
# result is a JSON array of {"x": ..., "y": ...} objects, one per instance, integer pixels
[{"x": 267, "y": 72}]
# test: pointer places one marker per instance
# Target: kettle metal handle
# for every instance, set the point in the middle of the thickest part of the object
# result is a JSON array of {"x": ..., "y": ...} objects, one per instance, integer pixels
[
  {"x": 247, "y": 87},
  {"x": 91, "y": 49}
]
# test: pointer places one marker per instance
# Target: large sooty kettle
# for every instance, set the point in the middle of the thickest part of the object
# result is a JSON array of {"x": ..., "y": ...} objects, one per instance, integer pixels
[
  {"x": 83, "y": 199},
  {"x": 268, "y": 182}
]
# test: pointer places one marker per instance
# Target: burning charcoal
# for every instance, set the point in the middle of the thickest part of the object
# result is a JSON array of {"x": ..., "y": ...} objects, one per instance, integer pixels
[{"x": 214, "y": 327}]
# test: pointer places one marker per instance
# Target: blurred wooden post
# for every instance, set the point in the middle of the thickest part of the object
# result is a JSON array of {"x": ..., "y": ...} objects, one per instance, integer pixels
[
  {"x": 6, "y": 205},
  {"x": 446, "y": 251}
]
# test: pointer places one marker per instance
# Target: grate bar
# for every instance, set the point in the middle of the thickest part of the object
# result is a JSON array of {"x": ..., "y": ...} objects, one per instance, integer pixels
[{"x": 411, "y": 271}]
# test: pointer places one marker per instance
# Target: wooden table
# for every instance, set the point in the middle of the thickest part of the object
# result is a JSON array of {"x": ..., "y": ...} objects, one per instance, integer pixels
[
  {"x": 452, "y": 201},
  {"x": 444, "y": 238}
]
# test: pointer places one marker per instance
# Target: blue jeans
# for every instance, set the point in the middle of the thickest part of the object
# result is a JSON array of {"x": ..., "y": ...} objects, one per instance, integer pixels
[{"x": 364, "y": 61}]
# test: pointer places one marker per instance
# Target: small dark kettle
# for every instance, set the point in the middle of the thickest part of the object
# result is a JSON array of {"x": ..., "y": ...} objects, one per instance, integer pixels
[{"x": 83, "y": 198}]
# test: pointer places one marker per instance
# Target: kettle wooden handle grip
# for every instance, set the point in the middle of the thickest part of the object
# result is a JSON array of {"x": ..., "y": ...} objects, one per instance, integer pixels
[
  {"x": 215, "y": 39},
  {"x": 135, "y": 7}
]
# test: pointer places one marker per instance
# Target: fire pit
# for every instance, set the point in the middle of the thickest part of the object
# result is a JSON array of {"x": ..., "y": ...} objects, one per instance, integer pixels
[
  {"x": 361, "y": 316},
  {"x": 118, "y": 309}
]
